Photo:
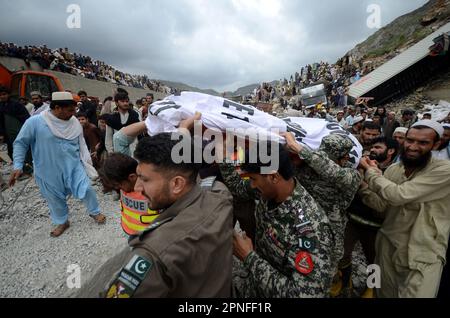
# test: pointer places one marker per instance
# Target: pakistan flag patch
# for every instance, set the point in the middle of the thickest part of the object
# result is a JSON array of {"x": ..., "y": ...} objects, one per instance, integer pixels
[{"x": 139, "y": 266}]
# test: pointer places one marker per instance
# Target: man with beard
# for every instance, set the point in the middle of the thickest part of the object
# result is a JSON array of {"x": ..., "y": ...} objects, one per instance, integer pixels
[
  {"x": 414, "y": 196},
  {"x": 443, "y": 151},
  {"x": 61, "y": 158},
  {"x": 187, "y": 250},
  {"x": 383, "y": 151},
  {"x": 364, "y": 222},
  {"x": 38, "y": 105},
  {"x": 369, "y": 132}
]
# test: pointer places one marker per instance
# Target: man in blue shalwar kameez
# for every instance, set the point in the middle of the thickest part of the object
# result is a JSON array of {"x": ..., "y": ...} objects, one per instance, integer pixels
[{"x": 61, "y": 160}]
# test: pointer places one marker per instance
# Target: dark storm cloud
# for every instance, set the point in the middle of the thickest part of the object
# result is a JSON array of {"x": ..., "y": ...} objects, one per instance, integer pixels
[{"x": 221, "y": 44}]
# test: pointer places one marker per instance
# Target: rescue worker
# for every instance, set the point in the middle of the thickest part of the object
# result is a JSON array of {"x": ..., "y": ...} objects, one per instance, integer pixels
[
  {"x": 292, "y": 256},
  {"x": 119, "y": 173},
  {"x": 415, "y": 196},
  {"x": 187, "y": 251}
]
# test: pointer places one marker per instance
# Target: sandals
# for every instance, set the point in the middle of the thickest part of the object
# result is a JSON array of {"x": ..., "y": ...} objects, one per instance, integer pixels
[
  {"x": 99, "y": 218},
  {"x": 60, "y": 229}
]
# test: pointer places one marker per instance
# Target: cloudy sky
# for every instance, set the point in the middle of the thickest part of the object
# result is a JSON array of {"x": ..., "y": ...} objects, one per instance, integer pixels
[{"x": 219, "y": 44}]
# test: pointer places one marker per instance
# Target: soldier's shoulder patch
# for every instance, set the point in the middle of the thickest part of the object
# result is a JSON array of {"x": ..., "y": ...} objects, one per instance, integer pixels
[
  {"x": 139, "y": 266},
  {"x": 129, "y": 278},
  {"x": 304, "y": 263}
]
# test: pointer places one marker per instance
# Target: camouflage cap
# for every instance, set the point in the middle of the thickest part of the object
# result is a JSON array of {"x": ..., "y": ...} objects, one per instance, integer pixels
[{"x": 336, "y": 146}]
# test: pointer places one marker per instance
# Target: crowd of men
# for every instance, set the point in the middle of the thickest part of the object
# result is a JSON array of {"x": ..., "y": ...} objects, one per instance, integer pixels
[
  {"x": 299, "y": 223},
  {"x": 80, "y": 65},
  {"x": 336, "y": 77}
]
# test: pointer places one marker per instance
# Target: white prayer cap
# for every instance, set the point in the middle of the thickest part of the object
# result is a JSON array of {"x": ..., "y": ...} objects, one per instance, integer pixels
[
  {"x": 430, "y": 124},
  {"x": 62, "y": 96},
  {"x": 33, "y": 93},
  {"x": 358, "y": 119},
  {"x": 402, "y": 130}
]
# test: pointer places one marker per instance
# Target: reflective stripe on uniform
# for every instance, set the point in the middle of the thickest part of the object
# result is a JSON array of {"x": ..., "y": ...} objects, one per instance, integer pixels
[{"x": 135, "y": 220}]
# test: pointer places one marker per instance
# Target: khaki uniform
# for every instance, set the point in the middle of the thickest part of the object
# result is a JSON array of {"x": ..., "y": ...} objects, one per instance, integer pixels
[
  {"x": 412, "y": 242},
  {"x": 186, "y": 252}
]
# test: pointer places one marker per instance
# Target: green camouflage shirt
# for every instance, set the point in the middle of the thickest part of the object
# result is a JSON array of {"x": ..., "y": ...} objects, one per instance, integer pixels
[
  {"x": 333, "y": 187},
  {"x": 293, "y": 246}
]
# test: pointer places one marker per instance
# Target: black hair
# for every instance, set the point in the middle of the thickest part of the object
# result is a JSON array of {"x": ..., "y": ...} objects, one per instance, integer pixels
[
  {"x": 150, "y": 95},
  {"x": 121, "y": 90},
  {"x": 108, "y": 99},
  {"x": 4, "y": 89},
  {"x": 117, "y": 167},
  {"x": 407, "y": 112},
  {"x": 371, "y": 125},
  {"x": 82, "y": 93},
  {"x": 81, "y": 114},
  {"x": 436, "y": 139},
  {"x": 389, "y": 142},
  {"x": 121, "y": 96},
  {"x": 62, "y": 103},
  {"x": 157, "y": 150},
  {"x": 285, "y": 167}
]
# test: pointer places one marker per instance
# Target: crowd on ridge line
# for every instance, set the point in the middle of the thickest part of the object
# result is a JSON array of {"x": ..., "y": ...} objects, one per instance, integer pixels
[
  {"x": 301, "y": 222},
  {"x": 80, "y": 65},
  {"x": 335, "y": 77}
]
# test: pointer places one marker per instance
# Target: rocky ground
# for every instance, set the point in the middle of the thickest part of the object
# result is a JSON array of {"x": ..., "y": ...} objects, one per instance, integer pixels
[{"x": 32, "y": 264}]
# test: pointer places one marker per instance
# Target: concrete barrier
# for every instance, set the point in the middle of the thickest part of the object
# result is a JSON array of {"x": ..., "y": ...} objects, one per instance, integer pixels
[{"x": 76, "y": 83}]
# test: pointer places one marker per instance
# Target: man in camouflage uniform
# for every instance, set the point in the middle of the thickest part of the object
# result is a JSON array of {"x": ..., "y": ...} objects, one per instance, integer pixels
[
  {"x": 330, "y": 179},
  {"x": 294, "y": 242}
]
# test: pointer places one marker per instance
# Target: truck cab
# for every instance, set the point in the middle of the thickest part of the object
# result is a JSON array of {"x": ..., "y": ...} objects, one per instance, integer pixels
[
  {"x": 22, "y": 83},
  {"x": 314, "y": 95}
]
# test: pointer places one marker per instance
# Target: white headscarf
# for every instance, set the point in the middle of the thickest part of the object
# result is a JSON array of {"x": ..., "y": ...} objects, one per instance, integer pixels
[{"x": 69, "y": 130}]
